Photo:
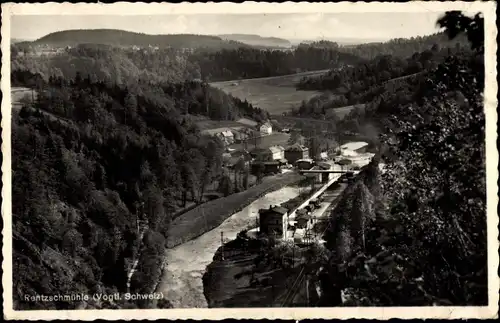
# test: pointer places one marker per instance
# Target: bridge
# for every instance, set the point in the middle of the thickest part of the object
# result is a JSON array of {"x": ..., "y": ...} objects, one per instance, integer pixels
[{"x": 330, "y": 171}]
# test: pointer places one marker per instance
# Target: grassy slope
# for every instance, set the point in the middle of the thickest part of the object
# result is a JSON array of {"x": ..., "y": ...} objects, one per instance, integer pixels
[{"x": 273, "y": 94}]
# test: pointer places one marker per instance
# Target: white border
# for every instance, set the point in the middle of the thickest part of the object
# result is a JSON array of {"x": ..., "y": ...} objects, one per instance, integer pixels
[{"x": 123, "y": 8}]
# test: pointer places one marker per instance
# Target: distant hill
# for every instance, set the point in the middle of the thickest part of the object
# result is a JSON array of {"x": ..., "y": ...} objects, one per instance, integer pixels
[
  {"x": 126, "y": 38},
  {"x": 256, "y": 40},
  {"x": 18, "y": 40},
  {"x": 344, "y": 41}
]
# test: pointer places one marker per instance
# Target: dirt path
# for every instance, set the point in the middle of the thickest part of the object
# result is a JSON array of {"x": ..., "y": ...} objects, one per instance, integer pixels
[{"x": 182, "y": 281}]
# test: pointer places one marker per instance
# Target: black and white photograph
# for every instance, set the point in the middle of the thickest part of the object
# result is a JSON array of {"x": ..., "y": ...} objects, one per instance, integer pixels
[{"x": 260, "y": 161}]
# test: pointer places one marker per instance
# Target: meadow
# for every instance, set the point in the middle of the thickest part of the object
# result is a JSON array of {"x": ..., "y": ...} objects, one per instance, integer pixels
[
  {"x": 273, "y": 94},
  {"x": 274, "y": 139},
  {"x": 18, "y": 93}
]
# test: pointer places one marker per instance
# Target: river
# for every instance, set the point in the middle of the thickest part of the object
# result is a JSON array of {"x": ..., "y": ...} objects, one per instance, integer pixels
[{"x": 182, "y": 281}]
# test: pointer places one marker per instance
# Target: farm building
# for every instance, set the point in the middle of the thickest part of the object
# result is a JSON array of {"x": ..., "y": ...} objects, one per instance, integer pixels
[
  {"x": 296, "y": 152},
  {"x": 227, "y": 137},
  {"x": 277, "y": 152},
  {"x": 273, "y": 222},
  {"x": 358, "y": 146},
  {"x": 266, "y": 129},
  {"x": 304, "y": 163}
]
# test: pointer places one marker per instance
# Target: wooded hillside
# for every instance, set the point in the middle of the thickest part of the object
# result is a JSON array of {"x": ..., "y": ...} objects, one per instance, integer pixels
[{"x": 79, "y": 210}]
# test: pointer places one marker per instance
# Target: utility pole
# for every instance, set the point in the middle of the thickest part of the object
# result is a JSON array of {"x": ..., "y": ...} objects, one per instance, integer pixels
[
  {"x": 307, "y": 289},
  {"x": 222, "y": 244}
]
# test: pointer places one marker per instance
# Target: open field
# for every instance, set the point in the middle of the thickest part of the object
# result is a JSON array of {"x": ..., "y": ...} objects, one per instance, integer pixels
[
  {"x": 18, "y": 93},
  {"x": 273, "y": 94},
  {"x": 207, "y": 124},
  {"x": 343, "y": 111},
  {"x": 274, "y": 139}
]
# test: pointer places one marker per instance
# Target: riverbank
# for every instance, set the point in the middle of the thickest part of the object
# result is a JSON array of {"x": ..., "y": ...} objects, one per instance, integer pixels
[
  {"x": 181, "y": 281},
  {"x": 247, "y": 278},
  {"x": 250, "y": 275},
  {"x": 209, "y": 215}
]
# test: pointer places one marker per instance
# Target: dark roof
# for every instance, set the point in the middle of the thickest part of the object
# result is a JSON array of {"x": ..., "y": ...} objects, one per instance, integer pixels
[
  {"x": 296, "y": 147},
  {"x": 301, "y": 211},
  {"x": 324, "y": 165},
  {"x": 303, "y": 216},
  {"x": 275, "y": 209},
  {"x": 267, "y": 163},
  {"x": 280, "y": 209},
  {"x": 257, "y": 151}
]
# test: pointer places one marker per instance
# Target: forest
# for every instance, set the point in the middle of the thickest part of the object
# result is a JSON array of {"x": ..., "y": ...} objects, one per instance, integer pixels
[
  {"x": 414, "y": 233},
  {"x": 380, "y": 79},
  {"x": 252, "y": 63},
  {"x": 79, "y": 211},
  {"x": 92, "y": 52},
  {"x": 398, "y": 47}
]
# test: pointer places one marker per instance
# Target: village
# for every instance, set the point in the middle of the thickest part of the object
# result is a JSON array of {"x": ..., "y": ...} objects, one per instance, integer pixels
[{"x": 327, "y": 175}]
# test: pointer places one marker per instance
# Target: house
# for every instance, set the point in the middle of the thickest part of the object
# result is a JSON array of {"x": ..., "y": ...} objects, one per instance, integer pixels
[
  {"x": 266, "y": 129},
  {"x": 296, "y": 152},
  {"x": 277, "y": 152},
  {"x": 226, "y": 137},
  {"x": 266, "y": 167},
  {"x": 273, "y": 221}
]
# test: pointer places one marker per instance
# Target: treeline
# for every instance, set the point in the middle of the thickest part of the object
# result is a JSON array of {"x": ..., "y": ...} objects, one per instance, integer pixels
[
  {"x": 252, "y": 63},
  {"x": 93, "y": 165},
  {"x": 382, "y": 77},
  {"x": 128, "y": 66},
  {"x": 378, "y": 70},
  {"x": 398, "y": 47},
  {"x": 127, "y": 38},
  {"x": 111, "y": 64},
  {"x": 186, "y": 98},
  {"x": 415, "y": 233}
]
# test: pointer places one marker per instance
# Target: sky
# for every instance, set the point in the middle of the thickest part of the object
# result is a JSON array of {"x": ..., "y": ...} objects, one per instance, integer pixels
[{"x": 374, "y": 25}]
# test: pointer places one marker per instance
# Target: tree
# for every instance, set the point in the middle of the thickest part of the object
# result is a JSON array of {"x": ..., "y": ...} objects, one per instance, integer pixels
[
  {"x": 455, "y": 22},
  {"x": 225, "y": 185},
  {"x": 437, "y": 188}
]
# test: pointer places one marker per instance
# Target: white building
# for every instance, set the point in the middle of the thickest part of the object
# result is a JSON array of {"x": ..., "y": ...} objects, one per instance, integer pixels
[
  {"x": 266, "y": 129},
  {"x": 277, "y": 152}
]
